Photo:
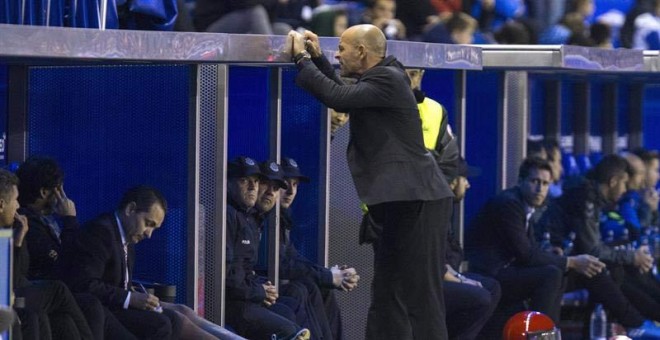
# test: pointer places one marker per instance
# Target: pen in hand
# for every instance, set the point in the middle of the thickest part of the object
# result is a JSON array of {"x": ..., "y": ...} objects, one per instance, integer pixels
[{"x": 158, "y": 309}]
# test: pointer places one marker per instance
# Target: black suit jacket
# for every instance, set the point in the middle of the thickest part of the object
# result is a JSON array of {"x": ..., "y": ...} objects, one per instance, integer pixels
[
  {"x": 97, "y": 265},
  {"x": 46, "y": 248},
  {"x": 386, "y": 153},
  {"x": 497, "y": 238}
]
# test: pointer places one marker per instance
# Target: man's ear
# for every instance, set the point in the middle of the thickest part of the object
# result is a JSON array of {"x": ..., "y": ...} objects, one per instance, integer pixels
[
  {"x": 43, "y": 193},
  {"x": 129, "y": 208},
  {"x": 3, "y": 204},
  {"x": 613, "y": 182},
  {"x": 362, "y": 51}
]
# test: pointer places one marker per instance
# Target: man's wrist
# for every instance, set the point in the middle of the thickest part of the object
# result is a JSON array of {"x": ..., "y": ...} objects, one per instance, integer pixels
[{"x": 301, "y": 56}]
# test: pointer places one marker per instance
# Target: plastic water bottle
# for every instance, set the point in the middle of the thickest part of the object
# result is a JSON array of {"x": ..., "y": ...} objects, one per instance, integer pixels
[
  {"x": 610, "y": 237},
  {"x": 545, "y": 243},
  {"x": 569, "y": 243},
  {"x": 598, "y": 324}
]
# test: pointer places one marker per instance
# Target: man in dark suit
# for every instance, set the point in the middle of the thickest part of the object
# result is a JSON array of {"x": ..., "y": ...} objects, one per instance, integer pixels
[
  {"x": 103, "y": 266},
  {"x": 500, "y": 243},
  {"x": 49, "y": 308},
  {"x": 53, "y": 229},
  {"x": 104, "y": 256},
  {"x": 394, "y": 174}
]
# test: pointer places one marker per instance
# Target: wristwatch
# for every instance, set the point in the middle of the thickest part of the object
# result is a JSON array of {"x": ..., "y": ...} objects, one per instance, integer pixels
[{"x": 300, "y": 56}]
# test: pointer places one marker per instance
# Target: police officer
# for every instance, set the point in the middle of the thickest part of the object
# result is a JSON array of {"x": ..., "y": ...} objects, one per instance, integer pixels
[{"x": 251, "y": 299}]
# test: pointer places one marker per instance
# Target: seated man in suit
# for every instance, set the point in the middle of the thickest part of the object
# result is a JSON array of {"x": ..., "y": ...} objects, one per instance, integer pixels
[
  {"x": 53, "y": 229},
  {"x": 104, "y": 257},
  {"x": 50, "y": 310},
  {"x": 500, "y": 243}
]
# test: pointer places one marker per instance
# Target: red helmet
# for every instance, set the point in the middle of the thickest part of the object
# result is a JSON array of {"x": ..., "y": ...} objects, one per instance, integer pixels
[{"x": 530, "y": 325}]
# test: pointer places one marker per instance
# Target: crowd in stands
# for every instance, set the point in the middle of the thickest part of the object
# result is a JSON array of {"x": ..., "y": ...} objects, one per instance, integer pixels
[{"x": 569, "y": 22}]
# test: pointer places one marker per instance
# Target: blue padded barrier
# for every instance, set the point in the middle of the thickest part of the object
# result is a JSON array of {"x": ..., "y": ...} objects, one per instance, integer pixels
[
  {"x": 248, "y": 123},
  {"x": 481, "y": 142},
  {"x": 567, "y": 107},
  {"x": 583, "y": 163},
  {"x": 536, "y": 103},
  {"x": 651, "y": 122},
  {"x": 112, "y": 128},
  {"x": 302, "y": 116}
]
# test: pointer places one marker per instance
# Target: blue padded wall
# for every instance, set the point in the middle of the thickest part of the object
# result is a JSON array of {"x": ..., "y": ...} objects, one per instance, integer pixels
[
  {"x": 248, "y": 122},
  {"x": 567, "y": 107},
  {"x": 651, "y": 111},
  {"x": 536, "y": 105},
  {"x": 112, "y": 128},
  {"x": 439, "y": 86},
  {"x": 302, "y": 117},
  {"x": 481, "y": 140}
]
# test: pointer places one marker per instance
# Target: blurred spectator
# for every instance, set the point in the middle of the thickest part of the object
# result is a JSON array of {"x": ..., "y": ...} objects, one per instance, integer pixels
[
  {"x": 601, "y": 35},
  {"x": 233, "y": 16},
  {"x": 585, "y": 8},
  {"x": 329, "y": 21},
  {"x": 647, "y": 28},
  {"x": 545, "y": 12},
  {"x": 416, "y": 16},
  {"x": 492, "y": 14},
  {"x": 446, "y": 8},
  {"x": 381, "y": 13},
  {"x": 513, "y": 33},
  {"x": 293, "y": 13},
  {"x": 459, "y": 29},
  {"x": 628, "y": 28},
  {"x": 561, "y": 32}
]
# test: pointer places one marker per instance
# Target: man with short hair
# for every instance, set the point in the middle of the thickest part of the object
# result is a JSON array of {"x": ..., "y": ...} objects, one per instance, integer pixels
[
  {"x": 103, "y": 265},
  {"x": 50, "y": 309},
  {"x": 648, "y": 211},
  {"x": 579, "y": 211},
  {"x": 500, "y": 243},
  {"x": 252, "y": 305},
  {"x": 394, "y": 174},
  {"x": 53, "y": 230}
]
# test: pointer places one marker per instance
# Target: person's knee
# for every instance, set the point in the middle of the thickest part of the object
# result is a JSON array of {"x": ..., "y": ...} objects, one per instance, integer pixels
[
  {"x": 553, "y": 276},
  {"x": 163, "y": 327}
]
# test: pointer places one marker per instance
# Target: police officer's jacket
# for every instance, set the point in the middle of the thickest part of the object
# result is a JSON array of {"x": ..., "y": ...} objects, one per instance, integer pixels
[{"x": 242, "y": 248}]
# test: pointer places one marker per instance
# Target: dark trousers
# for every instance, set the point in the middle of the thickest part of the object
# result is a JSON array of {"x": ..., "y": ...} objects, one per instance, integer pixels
[
  {"x": 603, "y": 289},
  {"x": 101, "y": 321},
  {"x": 312, "y": 314},
  {"x": 469, "y": 307},
  {"x": 145, "y": 324},
  {"x": 542, "y": 285},
  {"x": 333, "y": 313},
  {"x": 257, "y": 322},
  {"x": 56, "y": 310},
  {"x": 406, "y": 292},
  {"x": 643, "y": 291}
]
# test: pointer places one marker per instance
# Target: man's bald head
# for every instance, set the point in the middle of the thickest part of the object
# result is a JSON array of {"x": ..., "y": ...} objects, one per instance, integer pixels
[
  {"x": 361, "y": 47},
  {"x": 368, "y": 35}
]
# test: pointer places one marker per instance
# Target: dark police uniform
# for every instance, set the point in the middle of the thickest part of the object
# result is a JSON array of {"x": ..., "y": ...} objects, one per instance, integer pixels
[{"x": 245, "y": 293}]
